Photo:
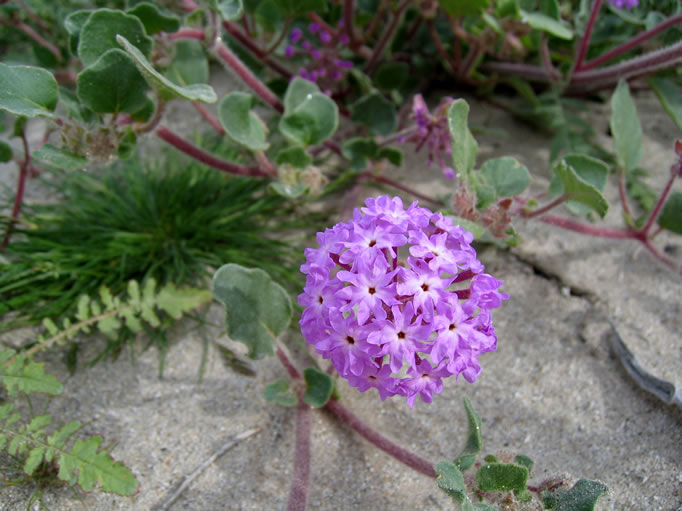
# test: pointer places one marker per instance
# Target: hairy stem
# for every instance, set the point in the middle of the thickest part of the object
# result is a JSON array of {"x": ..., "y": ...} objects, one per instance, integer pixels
[
  {"x": 233, "y": 62},
  {"x": 349, "y": 22},
  {"x": 155, "y": 120},
  {"x": 207, "y": 115},
  {"x": 249, "y": 43},
  {"x": 585, "y": 41},
  {"x": 441, "y": 49},
  {"x": 386, "y": 37},
  {"x": 200, "y": 155},
  {"x": 19, "y": 197},
  {"x": 399, "y": 186},
  {"x": 403, "y": 455},
  {"x": 282, "y": 34},
  {"x": 544, "y": 209},
  {"x": 187, "y": 33},
  {"x": 632, "y": 43},
  {"x": 659, "y": 204},
  {"x": 298, "y": 494},
  {"x": 587, "y": 229},
  {"x": 35, "y": 36}
]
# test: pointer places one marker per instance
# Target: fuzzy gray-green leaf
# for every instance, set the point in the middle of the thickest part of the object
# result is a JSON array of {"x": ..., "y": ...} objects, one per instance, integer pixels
[
  {"x": 27, "y": 91},
  {"x": 583, "y": 496},
  {"x": 625, "y": 128}
]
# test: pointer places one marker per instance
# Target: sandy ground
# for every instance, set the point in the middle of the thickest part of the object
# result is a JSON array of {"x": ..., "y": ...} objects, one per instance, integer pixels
[{"x": 554, "y": 389}]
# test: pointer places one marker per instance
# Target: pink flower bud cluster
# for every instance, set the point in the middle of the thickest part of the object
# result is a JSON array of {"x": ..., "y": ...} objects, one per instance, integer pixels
[
  {"x": 324, "y": 66},
  {"x": 433, "y": 132},
  {"x": 399, "y": 327}
]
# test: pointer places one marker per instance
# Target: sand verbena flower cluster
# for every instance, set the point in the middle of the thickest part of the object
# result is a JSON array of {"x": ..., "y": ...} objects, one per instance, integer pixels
[{"x": 397, "y": 300}]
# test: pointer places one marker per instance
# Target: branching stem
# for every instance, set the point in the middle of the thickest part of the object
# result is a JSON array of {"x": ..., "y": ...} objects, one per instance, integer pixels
[{"x": 21, "y": 185}]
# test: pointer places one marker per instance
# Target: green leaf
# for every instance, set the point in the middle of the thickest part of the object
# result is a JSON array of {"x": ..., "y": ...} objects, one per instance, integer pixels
[
  {"x": 165, "y": 88},
  {"x": 92, "y": 467},
  {"x": 464, "y": 146},
  {"x": 155, "y": 20},
  {"x": 278, "y": 392},
  {"x": 175, "y": 302},
  {"x": 591, "y": 170},
  {"x": 27, "y": 91},
  {"x": 296, "y": 156},
  {"x": 318, "y": 387},
  {"x": 376, "y": 112},
  {"x": 393, "y": 155},
  {"x": 625, "y": 128},
  {"x": 298, "y": 7},
  {"x": 551, "y": 9},
  {"x": 313, "y": 121},
  {"x": 671, "y": 215},
  {"x": 59, "y": 157},
  {"x": 112, "y": 84},
  {"x": 359, "y": 151},
  {"x": 391, "y": 75},
  {"x": 524, "y": 461},
  {"x": 474, "y": 441},
  {"x": 240, "y": 123},
  {"x": 5, "y": 152},
  {"x": 229, "y": 10},
  {"x": 100, "y": 31},
  {"x": 506, "y": 175},
  {"x": 26, "y": 376},
  {"x": 579, "y": 190},
  {"x": 73, "y": 24},
  {"x": 544, "y": 23},
  {"x": 459, "y": 8},
  {"x": 477, "y": 230},
  {"x": 257, "y": 308},
  {"x": 297, "y": 92},
  {"x": 451, "y": 481},
  {"x": 670, "y": 97},
  {"x": 189, "y": 65},
  {"x": 502, "y": 477},
  {"x": 583, "y": 496}
]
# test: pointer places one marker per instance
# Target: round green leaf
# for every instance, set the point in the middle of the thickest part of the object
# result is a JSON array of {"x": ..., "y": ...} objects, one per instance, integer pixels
[
  {"x": 671, "y": 215},
  {"x": 377, "y": 112},
  {"x": 240, "y": 123},
  {"x": 313, "y": 121},
  {"x": 318, "y": 387},
  {"x": 73, "y": 24},
  {"x": 98, "y": 35},
  {"x": 506, "y": 175},
  {"x": 297, "y": 91},
  {"x": 582, "y": 496},
  {"x": 5, "y": 152},
  {"x": 189, "y": 65},
  {"x": 165, "y": 88},
  {"x": 279, "y": 393},
  {"x": 579, "y": 190},
  {"x": 670, "y": 96},
  {"x": 502, "y": 477},
  {"x": 112, "y": 84},
  {"x": 294, "y": 156},
  {"x": 359, "y": 151},
  {"x": 154, "y": 20},
  {"x": 230, "y": 10},
  {"x": 257, "y": 309},
  {"x": 59, "y": 157},
  {"x": 27, "y": 91}
]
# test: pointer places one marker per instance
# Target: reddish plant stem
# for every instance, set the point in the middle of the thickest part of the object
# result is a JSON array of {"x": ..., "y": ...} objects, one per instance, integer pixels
[
  {"x": 632, "y": 43},
  {"x": 386, "y": 37},
  {"x": 585, "y": 41},
  {"x": 544, "y": 209},
  {"x": 663, "y": 259},
  {"x": 527, "y": 71},
  {"x": 155, "y": 120},
  {"x": 659, "y": 205},
  {"x": 349, "y": 23},
  {"x": 282, "y": 34},
  {"x": 403, "y": 455},
  {"x": 552, "y": 74},
  {"x": 248, "y": 42},
  {"x": 35, "y": 36},
  {"x": 374, "y": 22},
  {"x": 643, "y": 64},
  {"x": 200, "y": 155},
  {"x": 207, "y": 115},
  {"x": 589, "y": 230},
  {"x": 441, "y": 49},
  {"x": 399, "y": 186},
  {"x": 36, "y": 19},
  {"x": 298, "y": 494},
  {"x": 247, "y": 76},
  {"x": 623, "y": 194},
  {"x": 187, "y": 33},
  {"x": 19, "y": 197}
]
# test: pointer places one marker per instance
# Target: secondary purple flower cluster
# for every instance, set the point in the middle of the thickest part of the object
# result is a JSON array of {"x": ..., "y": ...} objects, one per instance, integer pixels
[
  {"x": 324, "y": 66},
  {"x": 624, "y": 4},
  {"x": 398, "y": 327},
  {"x": 433, "y": 132}
]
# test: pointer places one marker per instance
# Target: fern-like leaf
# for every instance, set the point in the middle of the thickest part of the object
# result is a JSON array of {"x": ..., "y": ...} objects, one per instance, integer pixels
[{"x": 19, "y": 373}]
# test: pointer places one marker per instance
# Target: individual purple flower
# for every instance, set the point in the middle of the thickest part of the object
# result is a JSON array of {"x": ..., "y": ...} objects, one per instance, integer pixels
[
  {"x": 624, "y": 4},
  {"x": 433, "y": 132},
  {"x": 398, "y": 326}
]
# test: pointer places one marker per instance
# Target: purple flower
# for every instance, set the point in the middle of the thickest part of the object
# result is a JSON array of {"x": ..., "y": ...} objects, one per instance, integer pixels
[
  {"x": 296, "y": 35},
  {"x": 376, "y": 317},
  {"x": 624, "y": 4}
]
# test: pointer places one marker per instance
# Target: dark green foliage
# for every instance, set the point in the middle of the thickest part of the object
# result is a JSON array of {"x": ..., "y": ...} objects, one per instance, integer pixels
[{"x": 170, "y": 220}]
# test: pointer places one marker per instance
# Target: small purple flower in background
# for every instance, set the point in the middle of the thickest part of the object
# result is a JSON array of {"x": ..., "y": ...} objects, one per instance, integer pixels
[
  {"x": 323, "y": 67},
  {"x": 400, "y": 327},
  {"x": 624, "y": 4},
  {"x": 432, "y": 131}
]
